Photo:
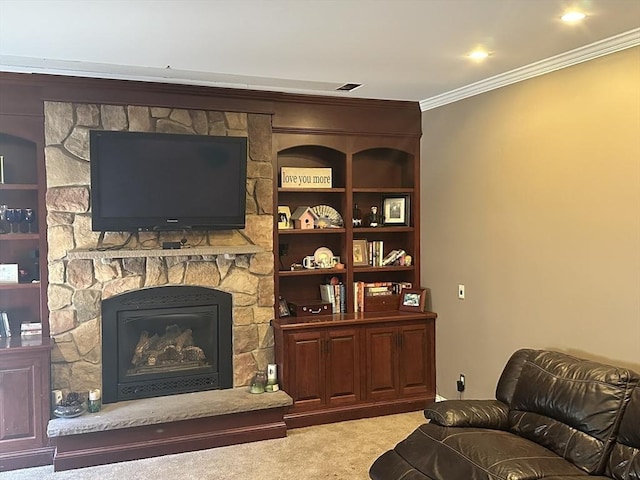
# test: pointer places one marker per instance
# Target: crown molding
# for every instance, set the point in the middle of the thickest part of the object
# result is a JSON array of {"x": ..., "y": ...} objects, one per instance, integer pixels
[{"x": 583, "y": 54}]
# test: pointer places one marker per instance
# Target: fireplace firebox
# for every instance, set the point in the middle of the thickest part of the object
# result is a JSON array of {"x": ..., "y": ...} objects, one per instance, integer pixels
[{"x": 166, "y": 340}]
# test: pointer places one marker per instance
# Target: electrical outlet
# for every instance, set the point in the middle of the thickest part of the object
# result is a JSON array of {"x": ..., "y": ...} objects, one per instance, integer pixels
[
  {"x": 461, "y": 383},
  {"x": 461, "y": 292}
]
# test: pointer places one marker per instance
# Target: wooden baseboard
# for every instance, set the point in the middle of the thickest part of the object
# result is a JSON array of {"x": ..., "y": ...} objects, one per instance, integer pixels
[
  {"x": 353, "y": 412},
  {"x": 36, "y": 457},
  {"x": 99, "y": 448}
]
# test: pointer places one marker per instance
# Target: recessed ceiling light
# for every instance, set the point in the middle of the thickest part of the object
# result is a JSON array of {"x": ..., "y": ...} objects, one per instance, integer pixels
[
  {"x": 479, "y": 54},
  {"x": 573, "y": 16}
]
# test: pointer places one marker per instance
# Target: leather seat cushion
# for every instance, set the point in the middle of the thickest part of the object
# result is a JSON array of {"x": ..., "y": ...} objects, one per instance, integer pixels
[
  {"x": 480, "y": 454},
  {"x": 391, "y": 466}
]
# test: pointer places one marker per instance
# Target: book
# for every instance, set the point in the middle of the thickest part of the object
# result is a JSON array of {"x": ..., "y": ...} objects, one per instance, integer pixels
[
  {"x": 4, "y": 317},
  {"x": 30, "y": 326},
  {"x": 329, "y": 294},
  {"x": 377, "y": 294},
  {"x": 392, "y": 256},
  {"x": 29, "y": 333}
]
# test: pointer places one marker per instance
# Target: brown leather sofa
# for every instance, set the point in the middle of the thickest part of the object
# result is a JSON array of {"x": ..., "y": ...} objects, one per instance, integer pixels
[{"x": 555, "y": 417}]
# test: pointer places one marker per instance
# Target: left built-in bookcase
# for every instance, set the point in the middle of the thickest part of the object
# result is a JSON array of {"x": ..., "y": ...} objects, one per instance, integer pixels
[
  {"x": 22, "y": 243},
  {"x": 25, "y": 361}
]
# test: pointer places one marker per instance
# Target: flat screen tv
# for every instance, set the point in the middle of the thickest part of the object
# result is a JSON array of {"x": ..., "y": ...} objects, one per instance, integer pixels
[{"x": 160, "y": 181}]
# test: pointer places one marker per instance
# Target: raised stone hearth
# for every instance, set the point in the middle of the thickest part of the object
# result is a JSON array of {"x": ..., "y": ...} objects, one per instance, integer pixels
[
  {"x": 159, "y": 426},
  {"x": 78, "y": 284}
]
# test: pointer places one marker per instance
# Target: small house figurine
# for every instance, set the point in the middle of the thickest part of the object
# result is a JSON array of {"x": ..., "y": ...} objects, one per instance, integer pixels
[{"x": 303, "y": 218}]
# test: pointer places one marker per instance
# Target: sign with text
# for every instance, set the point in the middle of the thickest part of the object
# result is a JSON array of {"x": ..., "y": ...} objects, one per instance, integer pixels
[{"x": 294, "y": 177}]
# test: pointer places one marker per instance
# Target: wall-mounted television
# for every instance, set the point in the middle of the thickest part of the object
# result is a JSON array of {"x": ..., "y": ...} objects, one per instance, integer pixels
[{"x": 161, "y": 181}]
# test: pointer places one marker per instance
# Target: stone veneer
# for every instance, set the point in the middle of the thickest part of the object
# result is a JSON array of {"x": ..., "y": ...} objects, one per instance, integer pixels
[{"x": 77, "y": 286}]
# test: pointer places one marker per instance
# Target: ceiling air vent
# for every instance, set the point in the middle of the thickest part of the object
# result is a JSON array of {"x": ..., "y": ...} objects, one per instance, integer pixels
[{"x": 347, "y": 87}]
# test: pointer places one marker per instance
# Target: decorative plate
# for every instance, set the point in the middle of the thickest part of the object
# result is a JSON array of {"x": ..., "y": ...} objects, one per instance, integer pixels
[
  {"x": 323, "y": 257},
  {"x": 69, "y": 411},
  {"x": 328, "y": 217}
]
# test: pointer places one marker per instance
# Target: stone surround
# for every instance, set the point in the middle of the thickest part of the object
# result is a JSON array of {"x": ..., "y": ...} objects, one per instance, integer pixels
[{"x": 78, "y": 285}]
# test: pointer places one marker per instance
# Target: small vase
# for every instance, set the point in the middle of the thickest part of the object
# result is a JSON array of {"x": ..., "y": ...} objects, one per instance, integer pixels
[{"x": 259, "y": 382}]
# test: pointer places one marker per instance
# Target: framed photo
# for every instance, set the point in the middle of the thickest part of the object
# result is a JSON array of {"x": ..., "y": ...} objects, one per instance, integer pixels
[
  {"x": 283, "y": 308},
  {"x": 360, "y": 253},
  {"x": 8, "y": 273},
  {"x": 284, "y": 217},
  {"x": 395, "y": 210},
  {"x": 412, "y": 299}
]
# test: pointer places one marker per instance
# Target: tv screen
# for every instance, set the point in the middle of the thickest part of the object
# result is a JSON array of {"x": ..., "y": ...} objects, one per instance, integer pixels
[{"x": 160, "y": 181}]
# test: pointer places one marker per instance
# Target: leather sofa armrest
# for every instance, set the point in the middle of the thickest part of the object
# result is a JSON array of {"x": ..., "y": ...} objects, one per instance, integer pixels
[{"x": 491, "y": 414}]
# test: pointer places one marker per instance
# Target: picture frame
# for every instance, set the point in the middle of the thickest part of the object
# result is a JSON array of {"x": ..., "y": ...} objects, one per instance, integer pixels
[
  {"x": 396, "y": 210},
  {"x": 284, "y": 217},
  {"x": 9, "y": 273},
  {"x": 412, "y": 299},
  {"x": 283, "y": 308},
  {"x": 360, "y": 253}
]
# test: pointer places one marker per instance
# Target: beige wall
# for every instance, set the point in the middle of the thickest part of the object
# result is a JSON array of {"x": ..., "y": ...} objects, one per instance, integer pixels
[{"x": 531, "y": 198}]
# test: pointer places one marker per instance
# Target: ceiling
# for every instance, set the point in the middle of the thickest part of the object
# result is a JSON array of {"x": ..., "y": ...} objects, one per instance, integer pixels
[{"x": 398, "y": 49}]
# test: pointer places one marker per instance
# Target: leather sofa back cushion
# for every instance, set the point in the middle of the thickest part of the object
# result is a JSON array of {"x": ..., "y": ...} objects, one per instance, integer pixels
[
  {"x": 624, "y": 462},
  {"x": 570, "y": 406}
]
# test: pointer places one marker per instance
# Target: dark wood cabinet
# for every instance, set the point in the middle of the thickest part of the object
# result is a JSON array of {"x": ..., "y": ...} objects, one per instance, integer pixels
[
  {"x": 324, "y": 367},
  {"x": 24, "y": 405},
  {"x": 353, "y": 363},
  {"x": 349, "y": 366},
  {"x": 24, "y": 360},
  {"x": 398, "y": 360}
]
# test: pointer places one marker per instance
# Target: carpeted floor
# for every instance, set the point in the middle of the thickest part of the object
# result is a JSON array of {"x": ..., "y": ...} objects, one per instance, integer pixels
[{"x": 338, "y": 451}]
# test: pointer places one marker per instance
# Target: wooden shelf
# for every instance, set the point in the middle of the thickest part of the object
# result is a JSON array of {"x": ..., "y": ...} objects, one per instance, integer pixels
[
  {"x": 310, "y": 231},
  {"x": 18, "y": 186},
  {"x": 19, "y": 286},
  {"x": 382, "y": 190},
  {"x": 310, "y": 272},
  {"x": 391, "y": 268},
  {"x": 382, "y": 230},
  {"x": 15, "y": 342},
  {"x": 12, "y": 237},
  {"x": 311, "y": 190}
]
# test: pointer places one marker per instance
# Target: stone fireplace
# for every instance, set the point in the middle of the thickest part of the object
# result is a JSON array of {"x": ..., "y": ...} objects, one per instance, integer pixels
[{"x": 78, "y": 286}]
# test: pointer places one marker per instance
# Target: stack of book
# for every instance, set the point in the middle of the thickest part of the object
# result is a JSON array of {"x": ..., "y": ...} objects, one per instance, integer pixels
[
  {"x": 393, "y": 256},
  {"x": 376, "y": 253},
  {"x": 363, "y": 290},
  {"x": 31, "y": 328},
  {"x": 377, "y": 258},
  {"x": 336, "y": 295}
]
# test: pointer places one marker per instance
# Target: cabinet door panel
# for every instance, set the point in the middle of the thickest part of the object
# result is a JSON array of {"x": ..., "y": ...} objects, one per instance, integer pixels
[
  {"x": 17, "y": 413},
  {"x": 382, "y": 363},
  {"x": 307, "y": 369},
  {"x": 413, "y": 359},
  {"x": 343, "y": 366}
]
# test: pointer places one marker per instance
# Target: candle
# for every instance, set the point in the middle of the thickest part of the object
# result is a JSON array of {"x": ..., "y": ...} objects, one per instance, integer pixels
[{"x": 95, "y": 401}]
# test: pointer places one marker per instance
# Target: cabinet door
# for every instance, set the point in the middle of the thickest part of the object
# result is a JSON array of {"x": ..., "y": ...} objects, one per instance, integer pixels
[
  {"x": 307, "y": 370},
  {"x": 21, "y": 421},
  {"x": 413, "y": 364},
  {"x": 343, "y": 366},
  {"x": 382, "y": 363}
]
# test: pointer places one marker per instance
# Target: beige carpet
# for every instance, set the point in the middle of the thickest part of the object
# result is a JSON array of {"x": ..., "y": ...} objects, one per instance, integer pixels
[{"x": 338, "y": 451}]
